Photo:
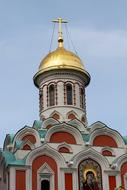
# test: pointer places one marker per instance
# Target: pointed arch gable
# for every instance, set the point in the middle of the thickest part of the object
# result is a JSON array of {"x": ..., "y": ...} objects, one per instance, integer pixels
[
  {"x": 63, "y": 127},
  {"x": 45, "y": 168},
  {"x": 72, "y": 115},
  {"x": 27, "y": 131},
  {"x": 45, "y": 150},
  {"x": 100, "y": 129},
  {"x": 64, "y": 144},
  {"x": 120, "y": 160},
  {"x": 92, "y": 154},
  {"x": 78, "y": 124},
  {"x": 97, "y": 125},
  {"x": 52, "y": 115},
  {"x": 50, "y": 121}
]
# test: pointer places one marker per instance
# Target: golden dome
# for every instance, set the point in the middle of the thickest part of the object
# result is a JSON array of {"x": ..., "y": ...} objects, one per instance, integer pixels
[{"x": 60, "y": 59}]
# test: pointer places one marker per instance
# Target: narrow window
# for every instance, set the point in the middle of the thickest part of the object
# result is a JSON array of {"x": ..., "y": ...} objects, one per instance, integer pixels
[
  {"x": 69, "y": 94},
  {"x": 45, "y": 185},
  {"x": 81, "y": 98},
  {"x": 51, "y": 95}
]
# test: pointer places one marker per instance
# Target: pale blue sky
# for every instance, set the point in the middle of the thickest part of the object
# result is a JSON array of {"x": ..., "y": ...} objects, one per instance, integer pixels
[{"x": 98, "y": 30}]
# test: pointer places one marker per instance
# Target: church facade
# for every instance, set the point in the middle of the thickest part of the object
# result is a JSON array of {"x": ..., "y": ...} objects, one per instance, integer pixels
[{"x": 61, "y": 151}]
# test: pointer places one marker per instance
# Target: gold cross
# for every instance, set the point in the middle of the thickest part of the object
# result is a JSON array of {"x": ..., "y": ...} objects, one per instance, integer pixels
[{"x": 60, "y": 38}]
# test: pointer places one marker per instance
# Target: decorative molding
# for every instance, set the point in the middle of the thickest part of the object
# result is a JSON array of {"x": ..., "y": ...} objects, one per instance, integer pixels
[
  {"x": 66, "y": 128},
  {"x": 45, "y": 149}
]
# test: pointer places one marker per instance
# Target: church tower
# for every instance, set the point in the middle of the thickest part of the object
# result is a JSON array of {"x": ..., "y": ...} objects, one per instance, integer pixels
[
  {"x": 61, "y": 151},
  {"x": 62, "y": 80}
]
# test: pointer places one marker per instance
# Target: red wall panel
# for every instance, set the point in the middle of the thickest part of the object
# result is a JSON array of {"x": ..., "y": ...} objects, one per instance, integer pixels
[
  {"x": 112, "y": 182},
  {"x": 104, "y": 140},
  {"x": 20, "y": 180},
  {"x": 68, "y": 181},
  {"x": 59, "y": 137}
]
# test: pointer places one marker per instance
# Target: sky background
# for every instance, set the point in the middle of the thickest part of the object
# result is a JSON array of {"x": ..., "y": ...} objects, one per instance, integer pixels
[{"x": 98, "y": 30}]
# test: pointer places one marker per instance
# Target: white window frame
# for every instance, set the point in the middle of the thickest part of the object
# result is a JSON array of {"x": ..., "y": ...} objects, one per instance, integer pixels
[{"x": 45, "y": 173}]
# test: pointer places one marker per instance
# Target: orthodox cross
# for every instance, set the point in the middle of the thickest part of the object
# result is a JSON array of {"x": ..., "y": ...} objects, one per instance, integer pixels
[{"x": 60, "y": 21}]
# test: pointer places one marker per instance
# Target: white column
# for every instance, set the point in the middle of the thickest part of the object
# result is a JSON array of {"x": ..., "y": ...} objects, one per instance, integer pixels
[
  {"x": 77, "y": 94},
  {"x": 28, "y": 179},
  {"x": 12, "y": 179},
  {"x": 45, "y": 97},
  {"x": 60, "y": 93},
  {"x": 75, "y": 180}
]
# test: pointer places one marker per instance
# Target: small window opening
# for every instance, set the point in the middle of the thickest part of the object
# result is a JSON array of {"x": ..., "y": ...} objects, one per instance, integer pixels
[
  {"x": 51, "y": 95},
  {"x": 69, "y": 94}
]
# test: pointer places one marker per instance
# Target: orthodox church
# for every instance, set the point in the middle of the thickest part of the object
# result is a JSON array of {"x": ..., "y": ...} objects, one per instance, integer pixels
[{"x": 61, "y": 151}]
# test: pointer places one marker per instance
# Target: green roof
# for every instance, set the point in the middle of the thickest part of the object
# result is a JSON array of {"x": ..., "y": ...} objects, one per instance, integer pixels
[
  {"x": 86, "y": 137},
  {"x": 18, "y": 144},
  {"x": 125, "y": 139},
  {"x": 11, "y": 137},
  {"x": 42, "y": 133},
  {"x": 37, "y": 124},
  {"x": 10, "y": 159},
  {"x": 8, "y": 156}
]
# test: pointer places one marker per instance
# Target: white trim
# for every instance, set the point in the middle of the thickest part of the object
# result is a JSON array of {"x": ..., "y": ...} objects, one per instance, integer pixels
[
  {"x": 125, "y": 180},
  {"x": 118, "y": 180},
  {"x": 28, "y": 178},
  {"x": 12, "y": 178}
]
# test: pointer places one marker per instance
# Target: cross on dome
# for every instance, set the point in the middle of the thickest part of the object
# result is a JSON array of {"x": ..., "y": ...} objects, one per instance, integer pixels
[{"x": 60, "y": 37}]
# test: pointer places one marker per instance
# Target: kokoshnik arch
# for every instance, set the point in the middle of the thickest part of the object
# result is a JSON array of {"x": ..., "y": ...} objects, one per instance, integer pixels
[{"x": 61, "y": 151}]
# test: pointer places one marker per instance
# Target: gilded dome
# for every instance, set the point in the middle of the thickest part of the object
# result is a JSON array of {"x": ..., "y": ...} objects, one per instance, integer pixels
[{"x": 60, "y": 59}]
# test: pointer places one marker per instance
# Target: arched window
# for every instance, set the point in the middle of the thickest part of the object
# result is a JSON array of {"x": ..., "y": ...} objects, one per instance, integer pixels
[
  {"x": 64, "y": 150},
  {"x": 45, "y": 184},
  {"x": 51, "y": 95},
  {"x": 69, "y": 94},
  {"x": 81, "y": 98},
  {"x": 106, "y": 153}
]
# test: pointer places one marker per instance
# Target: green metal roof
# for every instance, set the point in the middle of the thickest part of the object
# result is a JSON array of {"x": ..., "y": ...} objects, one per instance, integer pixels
[
  {"x": 125, "y": 139},
  {"x": 86, "y": 137},
  {"x": 10, "y": 159},
  {"x": 42, "y": 133},
  {"x": 8, "y": 156},
  {"x": 18, "y": 144},
  {"x": 11, "y": 137},
  {"x": 37, "y": 124}
]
